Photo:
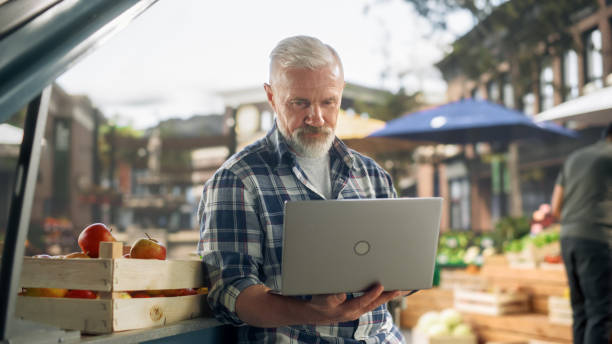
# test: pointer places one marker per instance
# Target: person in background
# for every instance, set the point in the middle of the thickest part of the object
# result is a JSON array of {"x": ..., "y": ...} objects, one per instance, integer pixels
[
  {"x": 241, "y": 210},
  {"x": 582, "y": 200}
]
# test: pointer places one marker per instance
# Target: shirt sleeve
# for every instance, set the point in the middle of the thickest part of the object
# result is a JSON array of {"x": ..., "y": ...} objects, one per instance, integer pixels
[{"x": 230, "y": 243}]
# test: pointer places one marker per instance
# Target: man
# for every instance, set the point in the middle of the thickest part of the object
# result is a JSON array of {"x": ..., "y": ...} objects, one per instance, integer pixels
[
  {"x": 242, "y": 207},
  {"x": 582, "y": 199}
]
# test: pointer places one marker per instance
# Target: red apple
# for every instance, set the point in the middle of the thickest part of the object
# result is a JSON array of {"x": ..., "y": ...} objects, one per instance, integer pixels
[
  {"x": 81, "y": 294},
  {"x": 91, "y": 236},
  {"x": 148, "y": 248},
  {"x": 139, "y": 294}
]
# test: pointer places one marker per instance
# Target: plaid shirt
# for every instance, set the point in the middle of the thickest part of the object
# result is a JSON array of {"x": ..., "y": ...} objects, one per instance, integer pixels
[{"x": 241, "y": 229}]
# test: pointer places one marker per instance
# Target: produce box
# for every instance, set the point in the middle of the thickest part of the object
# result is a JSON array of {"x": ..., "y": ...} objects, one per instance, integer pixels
[
  {"x": 559, "y": 310},
  {"x": 491, "y": 303},
  {"x": 461, "y": 279},
  {"x": 419, "y": 337},
  {"x": 111, "y": 276}
]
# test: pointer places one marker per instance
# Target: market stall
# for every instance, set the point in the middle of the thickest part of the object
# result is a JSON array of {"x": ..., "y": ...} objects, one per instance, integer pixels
[{"x": 516, "y": 295}]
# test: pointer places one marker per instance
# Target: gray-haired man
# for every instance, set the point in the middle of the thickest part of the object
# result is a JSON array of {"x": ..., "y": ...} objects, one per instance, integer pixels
[{"x": 242, "y": 210}]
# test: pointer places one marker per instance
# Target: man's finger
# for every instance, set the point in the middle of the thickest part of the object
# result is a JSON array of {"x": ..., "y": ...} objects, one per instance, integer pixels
[
  {"x": 368, "y": 297},
  {"x": 383, "y": 298}
]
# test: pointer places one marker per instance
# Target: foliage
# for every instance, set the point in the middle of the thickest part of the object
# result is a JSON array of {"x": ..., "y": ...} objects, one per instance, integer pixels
[
  {"x": 510, "y": 228},
  {"x": 394, "y": 105},
  {"x": 519, "y": 31},
  {"x": 539, "y": 240}
]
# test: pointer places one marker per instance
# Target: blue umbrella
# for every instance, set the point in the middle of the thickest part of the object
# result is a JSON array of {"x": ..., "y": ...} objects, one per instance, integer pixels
[{"x": 470, "y": 121}]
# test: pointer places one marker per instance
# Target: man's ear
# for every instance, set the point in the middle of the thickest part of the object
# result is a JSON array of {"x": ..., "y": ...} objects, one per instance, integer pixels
[{"x": 269, "y": 95}]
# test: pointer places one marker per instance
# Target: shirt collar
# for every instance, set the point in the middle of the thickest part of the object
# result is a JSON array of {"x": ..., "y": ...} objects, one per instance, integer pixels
[{"x": 282, "y": 151}]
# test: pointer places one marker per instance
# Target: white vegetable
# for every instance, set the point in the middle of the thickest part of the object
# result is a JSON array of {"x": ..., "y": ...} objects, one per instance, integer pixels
[
  {"x": 471, "y": 254},
  {"x": 450, "y": 317},
  {"x": 428, "y": 319},
  {"x": 462, "y": 330},
  {"x": 438, "y": 329}
]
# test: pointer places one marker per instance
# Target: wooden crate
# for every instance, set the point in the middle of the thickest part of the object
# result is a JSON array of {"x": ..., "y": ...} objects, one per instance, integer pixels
[
  {"x": 490, "y": 303},
  {"x": 110, "y": 275},
  {"x": 518, "y": 328},
  {"x": 539, "y": 284},
  {"x": 460, "y": 279},
  {"x": 435, "y": 299},
  {"x": 559, "y": 310},
  {"x": 419, "y": 337}
]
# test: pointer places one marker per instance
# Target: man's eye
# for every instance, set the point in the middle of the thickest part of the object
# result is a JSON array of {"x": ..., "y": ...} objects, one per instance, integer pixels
[{"x": 300, "y": 103}]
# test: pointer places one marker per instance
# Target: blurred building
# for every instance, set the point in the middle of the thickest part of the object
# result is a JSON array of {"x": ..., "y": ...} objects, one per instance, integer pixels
[
  {"x": 249, "y": 109},
  {"x": 570, "y": 83},
  {"x": 68, "y": 168},
  {"x": 161, "y": 184}
]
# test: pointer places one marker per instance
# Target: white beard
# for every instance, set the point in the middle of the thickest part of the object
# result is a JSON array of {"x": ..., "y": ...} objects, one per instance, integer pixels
[{"x": 310, "y": 148}]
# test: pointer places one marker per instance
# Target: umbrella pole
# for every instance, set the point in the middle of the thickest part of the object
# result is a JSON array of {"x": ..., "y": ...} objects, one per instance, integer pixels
[{"x": 516, "y": 199}]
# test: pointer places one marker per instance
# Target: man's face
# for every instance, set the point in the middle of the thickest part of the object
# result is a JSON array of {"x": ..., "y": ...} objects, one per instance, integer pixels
[{"x": 307, "y": 103}]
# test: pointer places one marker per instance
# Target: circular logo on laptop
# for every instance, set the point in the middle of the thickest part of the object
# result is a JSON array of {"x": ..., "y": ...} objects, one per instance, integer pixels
[{"x": 361, "y": 247}]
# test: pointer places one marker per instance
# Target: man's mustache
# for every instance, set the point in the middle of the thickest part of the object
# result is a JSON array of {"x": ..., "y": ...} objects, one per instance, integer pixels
[{"x": 308, "y": 129}]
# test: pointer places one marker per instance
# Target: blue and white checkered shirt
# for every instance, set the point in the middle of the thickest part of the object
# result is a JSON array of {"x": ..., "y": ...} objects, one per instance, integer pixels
[{"x": 241, "y": 234}]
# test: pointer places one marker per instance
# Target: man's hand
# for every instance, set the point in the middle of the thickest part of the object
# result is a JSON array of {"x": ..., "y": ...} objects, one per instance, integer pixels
[
  {"x": 334, "y": 308},
  {"x": 257, "y": 306}
]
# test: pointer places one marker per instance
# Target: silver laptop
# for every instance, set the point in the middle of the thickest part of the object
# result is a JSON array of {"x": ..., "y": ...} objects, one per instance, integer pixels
[{"x": 337, "y": 246}]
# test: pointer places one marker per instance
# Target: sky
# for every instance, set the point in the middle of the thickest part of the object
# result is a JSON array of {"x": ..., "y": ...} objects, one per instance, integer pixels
[{"x": 175, "y": 58}]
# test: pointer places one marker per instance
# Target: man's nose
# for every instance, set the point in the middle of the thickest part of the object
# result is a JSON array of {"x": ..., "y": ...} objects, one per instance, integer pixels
[{"x": 315, "y": 118}]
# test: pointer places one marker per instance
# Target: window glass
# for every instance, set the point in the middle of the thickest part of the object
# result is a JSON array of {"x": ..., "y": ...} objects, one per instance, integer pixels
[
  {"x": 529, "y": 104},
  {"x": 593, "y": 59},
  {"x": 507, "y": 91},
  {"x": 547, "y": 90},
  {"x": 493, "y": 90},
  {"x": 570, "y": 75},
  {"x": 460, "y": 203},
  {"x": 476, "y": 93}
]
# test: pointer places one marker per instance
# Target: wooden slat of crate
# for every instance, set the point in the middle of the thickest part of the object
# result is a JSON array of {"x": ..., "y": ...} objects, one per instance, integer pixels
[
  {"x": 89, "y": 316},
  {"x": 129, "y": 314},
  {"x": 135, "y": 274},
  {"x": 460, "y": 279},
  {"x": 495, "y": 260},
  {"x": 111, "y": 274},
  {"x": 108, "y": 315},
  {"x": 434, "y": 299},
  {"x": 504, "y": 336},
  {"x": 78, "y": 273},
  {"x": 490, "y": 303},
  {"x": 559, "y": 310},
  {"x": 421, "y": 338},
  {"x": 506, "y": 272},
  {"x": 519, "y": 326}
]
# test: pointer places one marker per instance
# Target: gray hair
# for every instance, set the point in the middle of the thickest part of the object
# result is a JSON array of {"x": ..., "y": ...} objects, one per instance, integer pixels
[{"x": 303, "y": 52}]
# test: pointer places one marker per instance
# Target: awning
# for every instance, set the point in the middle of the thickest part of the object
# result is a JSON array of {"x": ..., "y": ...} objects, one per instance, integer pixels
[
  {"x": 470, "y": 121},
  {"x": 591, "y": 109}
]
